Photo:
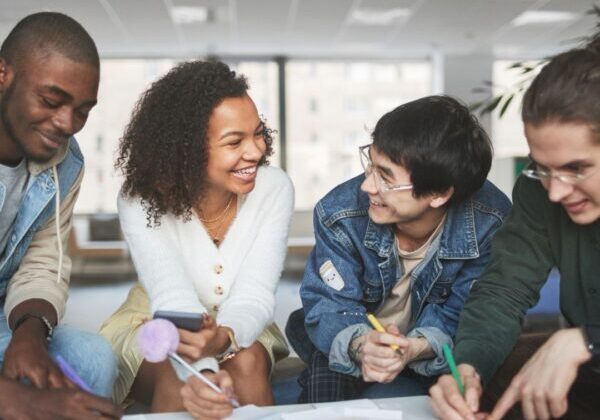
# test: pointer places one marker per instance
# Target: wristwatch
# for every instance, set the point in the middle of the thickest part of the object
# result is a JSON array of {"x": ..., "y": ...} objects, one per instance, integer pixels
[
  {"x": 43, "y": 320},
  {"x": 233, "y": 349},
  {"x": 591, "y": 334}
]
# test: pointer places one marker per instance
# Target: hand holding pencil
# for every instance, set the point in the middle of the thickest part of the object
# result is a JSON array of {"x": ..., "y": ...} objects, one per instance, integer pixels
[
  {"x": 379, "y": 328},
  {"x": 449, "y": 401},
  {"x": 382, "y": 354}
]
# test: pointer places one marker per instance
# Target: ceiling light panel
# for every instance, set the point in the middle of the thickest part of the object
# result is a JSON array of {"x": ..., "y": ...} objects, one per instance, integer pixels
[
  {"x": 541, "y": 17},
  {"x": 377, "y": 17},
  {"x": 189, "y": 14},
  {"x": 381, "y": 12}
]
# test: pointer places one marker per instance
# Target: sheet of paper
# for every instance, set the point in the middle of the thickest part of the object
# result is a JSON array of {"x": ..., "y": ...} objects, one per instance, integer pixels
[
  {"x": 250, "y": 412},
  {"x": 368, "y": 413},
  {"x": 364, "y": 403},
  {"x": 311, "y": 414},
  {"x": 346, "y": 410}
]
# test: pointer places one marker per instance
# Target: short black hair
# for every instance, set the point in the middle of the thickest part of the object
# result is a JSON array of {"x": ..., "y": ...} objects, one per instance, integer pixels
[
  {"x": 46, "y": 32},
  {"x": 567, "y": 89},
  {"x": 439, "y": 142}
]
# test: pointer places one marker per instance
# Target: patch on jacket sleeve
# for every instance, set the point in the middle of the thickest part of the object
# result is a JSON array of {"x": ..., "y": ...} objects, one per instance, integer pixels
[{"x": 330, "y": 275}]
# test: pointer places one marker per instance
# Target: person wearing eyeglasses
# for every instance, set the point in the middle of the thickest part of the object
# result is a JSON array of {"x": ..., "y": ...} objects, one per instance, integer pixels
[
  {"x": 405, "y": 241},
  {"x": 555, "y": 221}
]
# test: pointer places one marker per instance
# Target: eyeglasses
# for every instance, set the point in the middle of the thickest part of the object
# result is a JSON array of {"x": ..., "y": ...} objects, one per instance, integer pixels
[
  {"x": 381, "y": 185},
  {"x": 532, "y": 171}
]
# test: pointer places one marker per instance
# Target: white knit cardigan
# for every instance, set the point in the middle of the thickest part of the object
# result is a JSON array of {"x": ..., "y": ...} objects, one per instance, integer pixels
[{"x": 182, "y": 270}]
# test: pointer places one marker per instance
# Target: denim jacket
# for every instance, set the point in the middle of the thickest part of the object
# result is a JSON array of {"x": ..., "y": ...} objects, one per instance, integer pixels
[
  {"x": 367, "y": 267},
  {"x": 37, "y": 208}
]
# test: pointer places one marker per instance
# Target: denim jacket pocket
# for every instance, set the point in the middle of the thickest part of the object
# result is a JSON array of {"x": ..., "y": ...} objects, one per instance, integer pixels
[{"x": 440, "y": 291}]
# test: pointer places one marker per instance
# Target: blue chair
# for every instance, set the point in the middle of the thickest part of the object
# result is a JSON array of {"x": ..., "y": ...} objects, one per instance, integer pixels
[{"x": 549, "y": 303}]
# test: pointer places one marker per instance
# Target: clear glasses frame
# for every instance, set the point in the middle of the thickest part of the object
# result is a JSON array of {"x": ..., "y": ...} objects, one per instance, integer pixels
[
  {"x": 531, "y": 171},
  {"x": 382, "y": 186}
]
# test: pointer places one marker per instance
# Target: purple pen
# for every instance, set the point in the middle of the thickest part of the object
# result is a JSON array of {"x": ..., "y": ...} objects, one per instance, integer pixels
[{"x": 70, "y": 373}]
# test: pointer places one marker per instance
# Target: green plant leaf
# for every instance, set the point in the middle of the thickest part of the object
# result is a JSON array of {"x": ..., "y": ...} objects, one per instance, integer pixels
[
  {"x": 528, "y": 69},
  {"x": 506, "y": 104},
  {"x": 491, "y": 105}
]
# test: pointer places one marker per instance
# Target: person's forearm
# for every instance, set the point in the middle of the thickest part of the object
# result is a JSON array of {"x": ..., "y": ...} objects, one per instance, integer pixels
[
  {"x": 420, "y": 349},
  {"x": 222, "y": 341},
  {"x": 37, "y": 307},
  {"x": 7, "y": 389},
  {"x": 355, "y": 349},
  {"x": 521, "y": 257}
]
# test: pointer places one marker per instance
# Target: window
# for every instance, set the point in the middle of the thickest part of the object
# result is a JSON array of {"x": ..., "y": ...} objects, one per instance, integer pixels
[
  {"x": 355, "y": 105},
  {"x": 507, "y": 131},
  {"x": 313, "y": 106},
  {"x": 99, "y": 144},
  {"x": 121, "y": 83},
  {"x": 351, "y": 97}
]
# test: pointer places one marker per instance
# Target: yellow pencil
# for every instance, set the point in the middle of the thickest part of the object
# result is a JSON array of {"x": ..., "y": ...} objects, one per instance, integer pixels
[{"x": 378, "y": 327}]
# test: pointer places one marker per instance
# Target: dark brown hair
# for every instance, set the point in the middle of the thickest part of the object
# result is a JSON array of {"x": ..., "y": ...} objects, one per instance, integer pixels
[
  {"x": 567, "y": 89},
  {"x": 163, "y": 153}
]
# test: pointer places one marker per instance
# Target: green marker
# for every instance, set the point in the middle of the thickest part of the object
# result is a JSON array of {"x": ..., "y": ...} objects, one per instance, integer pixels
[{"x": 452, "y": 364}]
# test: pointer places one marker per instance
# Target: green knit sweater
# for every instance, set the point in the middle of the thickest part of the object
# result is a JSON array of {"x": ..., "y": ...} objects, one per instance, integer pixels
[{"x": 536, "y": 236}]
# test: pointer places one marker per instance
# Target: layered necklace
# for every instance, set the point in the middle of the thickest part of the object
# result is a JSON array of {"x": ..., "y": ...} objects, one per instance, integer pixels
[{"x": 213, "y": 226}]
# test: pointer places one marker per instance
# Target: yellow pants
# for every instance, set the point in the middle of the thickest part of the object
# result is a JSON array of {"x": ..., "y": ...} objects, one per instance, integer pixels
[{"x": 121, "y": 331}]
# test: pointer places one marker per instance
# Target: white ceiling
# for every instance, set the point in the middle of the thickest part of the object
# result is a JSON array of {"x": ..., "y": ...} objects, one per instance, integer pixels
[{"x": 315, "y": 28}]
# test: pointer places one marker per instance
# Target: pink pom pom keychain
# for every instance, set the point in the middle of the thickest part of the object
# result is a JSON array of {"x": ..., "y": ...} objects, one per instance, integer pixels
[{"x": 159, "y": 339}]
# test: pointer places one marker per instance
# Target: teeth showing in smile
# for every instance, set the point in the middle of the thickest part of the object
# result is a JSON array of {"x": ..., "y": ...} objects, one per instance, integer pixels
[
  {"x": 246, "y": 171},
  {"x": 375, "y": 203}
]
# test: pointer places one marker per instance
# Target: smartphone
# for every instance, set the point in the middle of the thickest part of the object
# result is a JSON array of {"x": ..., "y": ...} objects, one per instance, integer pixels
[{"x": 190, "y": 321}]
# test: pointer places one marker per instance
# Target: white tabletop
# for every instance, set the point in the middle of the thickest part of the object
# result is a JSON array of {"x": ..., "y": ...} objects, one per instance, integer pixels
[{"x": 412, "y": 408}]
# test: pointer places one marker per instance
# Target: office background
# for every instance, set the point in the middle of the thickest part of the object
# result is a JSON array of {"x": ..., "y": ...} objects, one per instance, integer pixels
[{"x": 321, "y": 72}]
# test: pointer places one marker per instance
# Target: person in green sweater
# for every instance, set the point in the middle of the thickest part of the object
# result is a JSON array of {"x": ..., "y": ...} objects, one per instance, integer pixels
[{"x": 555, "y": 221}]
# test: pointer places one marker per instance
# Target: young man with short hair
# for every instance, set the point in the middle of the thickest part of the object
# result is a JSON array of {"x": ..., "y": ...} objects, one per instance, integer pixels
[
  {"x": 404, "y": 241},
  {"x": 49, "y": 73},
  {"x": 555, "y": 222}
]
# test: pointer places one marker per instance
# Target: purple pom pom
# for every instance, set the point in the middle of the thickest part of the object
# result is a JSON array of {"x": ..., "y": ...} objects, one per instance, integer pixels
[{"x": 157, "y": 339}]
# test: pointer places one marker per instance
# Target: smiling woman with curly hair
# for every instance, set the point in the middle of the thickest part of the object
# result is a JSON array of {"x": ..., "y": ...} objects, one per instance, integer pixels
[
  {"x": 163, "y": 154},
  {"x": 206, "y": 222}
]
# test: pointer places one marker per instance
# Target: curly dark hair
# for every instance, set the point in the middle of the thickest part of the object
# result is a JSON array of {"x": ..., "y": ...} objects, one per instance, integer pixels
[{"x": 163, "y": 153}]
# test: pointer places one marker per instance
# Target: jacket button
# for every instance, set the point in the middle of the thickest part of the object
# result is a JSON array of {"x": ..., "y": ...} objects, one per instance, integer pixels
[
  {"x": 219, "y": 290},
  {"x": 592, "y": 290},
  {"x": 218, "y": 268}
]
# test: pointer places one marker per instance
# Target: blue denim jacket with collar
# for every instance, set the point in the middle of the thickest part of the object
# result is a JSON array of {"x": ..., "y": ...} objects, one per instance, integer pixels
[
  {"x": 367, "y": 267},
  {"x": 37, "y": 206}
]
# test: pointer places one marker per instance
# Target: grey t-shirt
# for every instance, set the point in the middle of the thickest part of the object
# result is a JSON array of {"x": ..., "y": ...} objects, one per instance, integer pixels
[{"x": 14, "y": 180}]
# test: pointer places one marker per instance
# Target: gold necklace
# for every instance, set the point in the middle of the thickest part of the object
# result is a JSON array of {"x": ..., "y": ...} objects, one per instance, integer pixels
[
  {"x": 213, "y": 232},
  {"x": 222, "y": 214}
]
